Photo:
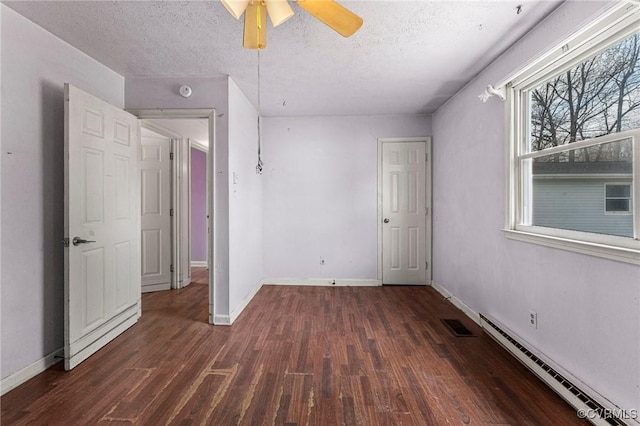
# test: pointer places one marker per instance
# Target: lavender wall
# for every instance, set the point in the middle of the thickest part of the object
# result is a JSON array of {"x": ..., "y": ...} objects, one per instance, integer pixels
[
  {"x": 320, "y": 193},
  {"x": 198, "y": 205},
  {"x": 35, "y": 66},
  {"x": 588, "y": 315},
  {"x": 245, "y": 203}
]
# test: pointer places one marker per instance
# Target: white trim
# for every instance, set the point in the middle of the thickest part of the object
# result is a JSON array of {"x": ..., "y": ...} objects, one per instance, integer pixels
[
  {"x": 615, "y": 23},
  {"x": 21, "y": 376},
  {"x": 152, "y": 113},
  {"x": 210, "y": 115},
  {"x": 428, "y": 201},
  {"x": 197, "y": 145},
  {"x": 475, "y": 316},
  {"x": 222, "y": 320},
  {"x": 627, "y": 255},
  {"x": 243, "y": 304},
  {"x": 603, "y": 176},
  {"x": 611, "y": 15},
  {"x": 632, "y": 135},
  {"x": 199, "y": 264},
  {"x": 323, "y": 282},
  {"x": 175, "y": 206},
  {"x": 156, "y": 287}
]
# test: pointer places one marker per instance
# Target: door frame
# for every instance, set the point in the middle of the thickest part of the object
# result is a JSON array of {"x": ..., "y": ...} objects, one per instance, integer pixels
[
  {"x": 201, "y": 113},
  {"x": 428, "y": 190},
  {"x": 196, "y": 145}
]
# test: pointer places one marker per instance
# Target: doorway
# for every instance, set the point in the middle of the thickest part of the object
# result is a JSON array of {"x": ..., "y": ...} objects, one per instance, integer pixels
[
  {"x": 189, "y": 129},
  {"x": 198, "y": 228},
  {"x": 404, "y": 211}
]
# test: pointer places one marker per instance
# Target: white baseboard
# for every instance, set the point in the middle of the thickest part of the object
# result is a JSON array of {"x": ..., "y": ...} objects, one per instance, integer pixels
[
  {"x": 475, "y": 316},
  {"x": 238, "y": 310},
  {"x": 19, "y": 377},
  {"x": 327, "y": 282},
  {"x": 222, "y": 320},
  {"x": 155, "y": 287},
  {"x": 199, "y": 264}
]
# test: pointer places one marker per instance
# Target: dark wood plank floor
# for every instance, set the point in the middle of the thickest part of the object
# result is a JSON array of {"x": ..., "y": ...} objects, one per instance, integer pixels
[{"x": 296, "y": 356}]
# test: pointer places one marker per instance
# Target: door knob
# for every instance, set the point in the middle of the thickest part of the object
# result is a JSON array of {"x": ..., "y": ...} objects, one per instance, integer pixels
[
  {"x": 386, "y": 220},
  {"x": 78, "y": 240}
]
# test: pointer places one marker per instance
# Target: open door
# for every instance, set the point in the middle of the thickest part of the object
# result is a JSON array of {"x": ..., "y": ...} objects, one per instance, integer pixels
[
  {"x": 156, "y": 209},
  {"x": 102, "y": 224}
]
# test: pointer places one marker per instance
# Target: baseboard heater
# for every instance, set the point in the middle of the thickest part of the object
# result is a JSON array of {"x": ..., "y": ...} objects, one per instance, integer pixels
[{"x": 581, "y": 401}]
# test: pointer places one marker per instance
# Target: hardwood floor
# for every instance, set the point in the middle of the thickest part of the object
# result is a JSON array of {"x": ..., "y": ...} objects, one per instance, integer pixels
[{"x": 296, "y": 356}]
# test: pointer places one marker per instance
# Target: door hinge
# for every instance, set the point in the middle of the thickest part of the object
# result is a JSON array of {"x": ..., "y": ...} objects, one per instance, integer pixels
[
  {"x": 426, "y": 211},
  {"x": 171, "y": 156},
  {"x": 65, "y": 241},
  {"x": 426, "y": 158},
  {"x": 171, "y": 268},
  {"x": 426, "y": 265},
  {"x": 170, "y": 212}
]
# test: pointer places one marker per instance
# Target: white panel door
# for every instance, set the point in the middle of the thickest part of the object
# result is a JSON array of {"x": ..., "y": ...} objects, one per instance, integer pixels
[
  {"x": 155, "y": 182},
  {"x": 404, "y": 213},
  {"x": 102, "y": 224}
]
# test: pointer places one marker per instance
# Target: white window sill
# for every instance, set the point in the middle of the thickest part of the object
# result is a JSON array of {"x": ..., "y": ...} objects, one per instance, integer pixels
[{"x": 627, "y": 254}]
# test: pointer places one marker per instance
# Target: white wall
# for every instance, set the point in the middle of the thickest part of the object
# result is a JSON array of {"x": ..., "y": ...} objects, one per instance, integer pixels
[
  {"x": 245, "y": 202},
  {"x": 35, "y": 65},
  {"x": 208, "y": 92},
  {"x": 320, "y": 196},
  {"x": 588, "y": 308}
]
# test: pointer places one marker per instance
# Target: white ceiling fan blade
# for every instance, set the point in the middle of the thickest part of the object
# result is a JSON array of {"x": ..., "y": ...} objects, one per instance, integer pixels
[
  {"x": 236, "y": 7},
  {"x": 279, "y": 11}
]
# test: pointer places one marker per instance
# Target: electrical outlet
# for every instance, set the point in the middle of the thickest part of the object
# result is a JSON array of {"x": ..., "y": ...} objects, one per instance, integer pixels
[{"x": 533, "y": 319}]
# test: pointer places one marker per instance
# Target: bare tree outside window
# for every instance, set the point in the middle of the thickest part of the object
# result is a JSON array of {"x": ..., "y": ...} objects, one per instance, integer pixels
[{"x": 595, "y": 98}]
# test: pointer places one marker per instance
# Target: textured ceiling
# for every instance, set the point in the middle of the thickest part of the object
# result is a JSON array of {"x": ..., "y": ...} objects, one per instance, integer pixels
[{"x": 408, "y": 57}]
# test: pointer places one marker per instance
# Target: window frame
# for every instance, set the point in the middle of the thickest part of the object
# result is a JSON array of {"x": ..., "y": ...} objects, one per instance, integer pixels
[
  {"x": 630, "y": 198},
  {"x": 617, "y": 23}
]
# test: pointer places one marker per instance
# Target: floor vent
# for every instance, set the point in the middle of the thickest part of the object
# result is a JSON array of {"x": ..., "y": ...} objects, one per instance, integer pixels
[
  {"x": 457, "y": 328},
  {"x": 561, "y": 385}
]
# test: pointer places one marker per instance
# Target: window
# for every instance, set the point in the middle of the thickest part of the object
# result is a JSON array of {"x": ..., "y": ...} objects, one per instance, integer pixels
[
  {"x": 617, "y": 198},
  {"x": 574, "y": 143}
]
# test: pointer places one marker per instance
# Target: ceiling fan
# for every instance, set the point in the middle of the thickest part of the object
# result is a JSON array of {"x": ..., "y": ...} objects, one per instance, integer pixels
[{"x": 336, "y": 16}]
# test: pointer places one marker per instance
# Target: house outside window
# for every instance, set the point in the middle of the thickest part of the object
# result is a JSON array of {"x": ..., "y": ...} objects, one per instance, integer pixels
[{"x": 574, "y": 143}]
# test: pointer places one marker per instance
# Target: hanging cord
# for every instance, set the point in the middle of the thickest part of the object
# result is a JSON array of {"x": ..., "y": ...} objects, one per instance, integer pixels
[{"x": 260, "y": 163}]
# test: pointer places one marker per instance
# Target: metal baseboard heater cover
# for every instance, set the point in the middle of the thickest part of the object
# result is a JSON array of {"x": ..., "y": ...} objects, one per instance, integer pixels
[{"x": 581, "y": 401}]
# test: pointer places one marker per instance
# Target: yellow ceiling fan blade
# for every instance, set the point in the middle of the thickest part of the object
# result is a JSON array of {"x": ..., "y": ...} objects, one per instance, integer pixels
[{"x": 337, "y": 17}]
